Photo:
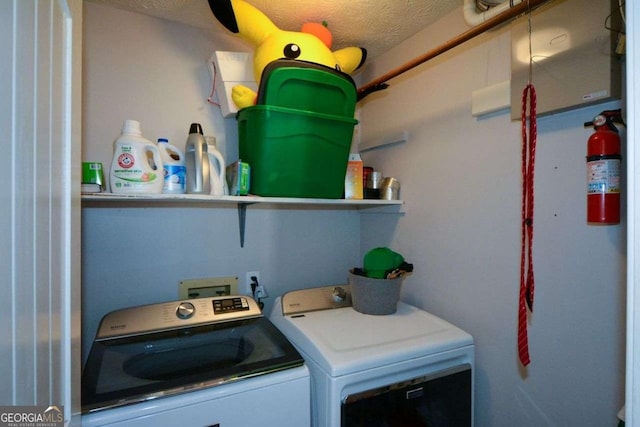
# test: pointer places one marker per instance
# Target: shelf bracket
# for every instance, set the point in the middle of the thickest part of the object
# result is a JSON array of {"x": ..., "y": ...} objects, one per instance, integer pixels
[{"x": 242, "y": 218}]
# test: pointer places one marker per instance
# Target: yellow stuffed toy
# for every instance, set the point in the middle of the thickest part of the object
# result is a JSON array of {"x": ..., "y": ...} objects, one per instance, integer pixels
[{"x": 312, "y": 44}]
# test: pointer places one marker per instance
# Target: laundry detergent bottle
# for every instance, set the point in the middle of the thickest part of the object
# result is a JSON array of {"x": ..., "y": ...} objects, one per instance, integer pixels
[
  {"x": 217, "y": 168},
  {"x": 174, "y": 169},
  {"x": 136, "y": 167}
]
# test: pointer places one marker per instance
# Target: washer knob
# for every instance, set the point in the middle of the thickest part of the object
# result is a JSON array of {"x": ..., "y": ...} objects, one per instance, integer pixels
[
  {"x": 185, "y": 310},
  {"x": 339, "y": 294}
]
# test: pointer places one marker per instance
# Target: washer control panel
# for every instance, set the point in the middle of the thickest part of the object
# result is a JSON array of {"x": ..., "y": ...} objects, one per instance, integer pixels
[{"x": 177, "y": 314}]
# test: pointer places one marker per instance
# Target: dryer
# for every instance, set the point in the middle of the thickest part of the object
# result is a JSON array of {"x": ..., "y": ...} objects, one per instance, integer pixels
[{"x": 409, "y": 368}]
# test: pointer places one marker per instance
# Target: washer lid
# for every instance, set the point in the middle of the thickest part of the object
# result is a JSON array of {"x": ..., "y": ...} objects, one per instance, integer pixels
[
  {"x": 343, "y": 341},
  {"x": 131, "y": 369}
]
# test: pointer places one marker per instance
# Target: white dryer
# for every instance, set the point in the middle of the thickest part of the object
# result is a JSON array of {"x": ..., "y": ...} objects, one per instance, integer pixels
[{"x": 409, "y": 368}]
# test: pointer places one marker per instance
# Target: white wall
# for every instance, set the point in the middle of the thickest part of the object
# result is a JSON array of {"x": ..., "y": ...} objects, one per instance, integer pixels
[
  {"x": 461, "y": 182},
  {"x": 155, "y": 71},
  {"x": 150, "y": 70}
]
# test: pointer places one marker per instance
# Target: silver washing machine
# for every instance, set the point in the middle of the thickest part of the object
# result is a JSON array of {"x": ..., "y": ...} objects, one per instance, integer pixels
[
  {"x": 208, "y": 361},
  {"x": 409, "y": 368}
]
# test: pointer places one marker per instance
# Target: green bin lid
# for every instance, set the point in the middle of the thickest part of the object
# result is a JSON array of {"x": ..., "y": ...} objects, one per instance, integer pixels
[{"x": 306, "y": 86}]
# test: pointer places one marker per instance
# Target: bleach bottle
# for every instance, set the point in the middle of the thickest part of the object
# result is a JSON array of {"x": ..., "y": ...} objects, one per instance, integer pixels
[
  {"x": 136, "y": 167},
  {"x": 175, "y": 171}
]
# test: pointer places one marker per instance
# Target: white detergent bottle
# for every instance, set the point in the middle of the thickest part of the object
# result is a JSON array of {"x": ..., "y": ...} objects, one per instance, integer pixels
[
  {"x": 175, "y": 172},
  {"x": 136, "y": 167},
  {"x": 217, "y": 168}
]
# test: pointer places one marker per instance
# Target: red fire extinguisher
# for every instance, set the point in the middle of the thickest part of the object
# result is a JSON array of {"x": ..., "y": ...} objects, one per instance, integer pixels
[{"x": 603, "y": 169}]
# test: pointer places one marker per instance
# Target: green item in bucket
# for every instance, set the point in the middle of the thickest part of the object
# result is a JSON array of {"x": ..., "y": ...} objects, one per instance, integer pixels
[{"x": 380, "y": 260}]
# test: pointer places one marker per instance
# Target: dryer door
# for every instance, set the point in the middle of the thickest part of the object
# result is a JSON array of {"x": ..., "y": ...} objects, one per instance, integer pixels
[{"x": 441, "y": 399}]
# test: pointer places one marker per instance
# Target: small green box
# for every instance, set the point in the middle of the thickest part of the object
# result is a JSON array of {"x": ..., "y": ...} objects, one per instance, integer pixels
[
  {"x": 295, "y": 153},
  {"x": 238, "y": 178}
]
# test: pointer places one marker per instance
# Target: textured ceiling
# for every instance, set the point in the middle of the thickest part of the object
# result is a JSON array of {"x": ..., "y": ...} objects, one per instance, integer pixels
[{"x": 376, "y": 25}]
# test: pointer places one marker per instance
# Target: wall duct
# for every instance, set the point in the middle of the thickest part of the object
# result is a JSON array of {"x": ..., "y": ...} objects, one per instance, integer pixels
[{"x": 473, "y": 14}]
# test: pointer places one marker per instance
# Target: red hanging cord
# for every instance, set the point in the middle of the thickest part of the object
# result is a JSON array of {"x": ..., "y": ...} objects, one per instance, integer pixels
[{"x": 526, "y": 260}]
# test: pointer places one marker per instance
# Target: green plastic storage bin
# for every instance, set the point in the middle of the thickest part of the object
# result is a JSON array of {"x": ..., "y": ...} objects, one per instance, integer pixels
[{"x": 295, "y": 153}]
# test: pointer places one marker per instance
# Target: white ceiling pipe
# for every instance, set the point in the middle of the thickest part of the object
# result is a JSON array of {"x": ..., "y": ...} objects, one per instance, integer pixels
[{"x": 473, "y": 17}]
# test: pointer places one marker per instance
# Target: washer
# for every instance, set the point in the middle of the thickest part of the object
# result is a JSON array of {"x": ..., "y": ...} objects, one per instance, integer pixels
[
  {"x": 407, "y": 368},
  {"x": 195, "y": 362}
]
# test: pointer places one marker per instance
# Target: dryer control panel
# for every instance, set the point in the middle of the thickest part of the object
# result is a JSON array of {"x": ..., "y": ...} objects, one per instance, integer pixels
[{"x": 314, "y": 299}]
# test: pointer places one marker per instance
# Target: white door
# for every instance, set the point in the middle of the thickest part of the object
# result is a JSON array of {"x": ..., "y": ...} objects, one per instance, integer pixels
[
  {"x": 40, "y": 44},
  {"x": 633, "y": 232}
]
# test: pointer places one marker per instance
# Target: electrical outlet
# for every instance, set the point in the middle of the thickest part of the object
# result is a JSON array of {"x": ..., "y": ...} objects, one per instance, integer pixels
[
  {"x": 261, "y": 292},
  {"x": 248, "y": 281}
]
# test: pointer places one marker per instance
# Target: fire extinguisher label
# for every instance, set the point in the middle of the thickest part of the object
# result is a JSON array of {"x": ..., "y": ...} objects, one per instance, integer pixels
[{"x": 603, "y": 176}]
